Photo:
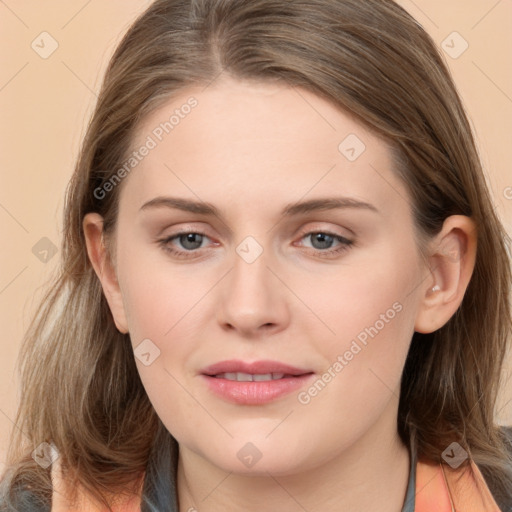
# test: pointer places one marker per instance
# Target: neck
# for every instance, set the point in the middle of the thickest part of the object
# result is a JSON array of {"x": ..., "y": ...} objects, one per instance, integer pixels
[{"x": 371, "y": 475}]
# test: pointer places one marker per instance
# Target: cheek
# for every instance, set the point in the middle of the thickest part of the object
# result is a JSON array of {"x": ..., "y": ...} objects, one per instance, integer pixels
[
  {"x": 160, "y": 320},
  {"x": 363, "y": 368},
  {"x": 158, "y": 296},
  {"x": 376, "y": 295},
  {"x": 371, "y": 310},
  {"x": 173, "y": 400}
]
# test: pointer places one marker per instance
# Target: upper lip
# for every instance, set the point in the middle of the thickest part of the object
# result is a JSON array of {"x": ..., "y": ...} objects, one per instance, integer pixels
[{"x": 254, "y": 368}]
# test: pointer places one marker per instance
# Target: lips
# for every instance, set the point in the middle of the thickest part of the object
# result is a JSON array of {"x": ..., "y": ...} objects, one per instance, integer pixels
[
  {"x": 254, "y": 383},
  {"x": 254, "y": 368}
]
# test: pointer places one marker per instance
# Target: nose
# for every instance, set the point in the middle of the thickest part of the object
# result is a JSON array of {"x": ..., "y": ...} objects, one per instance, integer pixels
[{"x": 253, "y": 301}]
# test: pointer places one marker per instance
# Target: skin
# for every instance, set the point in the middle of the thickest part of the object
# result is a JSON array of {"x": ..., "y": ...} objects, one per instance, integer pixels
[{"x": 250, "y": 149}]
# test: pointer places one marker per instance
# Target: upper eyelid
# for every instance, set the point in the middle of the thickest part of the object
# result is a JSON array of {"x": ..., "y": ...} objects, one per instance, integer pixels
[{"x": 318, "y": 226}]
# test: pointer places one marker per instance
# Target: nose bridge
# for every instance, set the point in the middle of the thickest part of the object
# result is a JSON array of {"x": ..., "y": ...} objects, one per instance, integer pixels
[
  {"x": 250, "y": 276},
  {"x": 251, "y": 295}
]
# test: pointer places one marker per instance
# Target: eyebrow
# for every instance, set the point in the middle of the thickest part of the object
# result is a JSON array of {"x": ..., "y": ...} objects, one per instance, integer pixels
[{"x": 290, "y": 210}]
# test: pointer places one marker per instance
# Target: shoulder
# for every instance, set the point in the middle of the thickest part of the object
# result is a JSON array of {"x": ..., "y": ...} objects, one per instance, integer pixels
[
  {"x": 442, "y": 488},
  {"x": 64, "y": 500}
]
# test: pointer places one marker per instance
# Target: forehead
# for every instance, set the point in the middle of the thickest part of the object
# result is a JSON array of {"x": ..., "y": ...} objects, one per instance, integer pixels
[{"x": 246, "y": 142}]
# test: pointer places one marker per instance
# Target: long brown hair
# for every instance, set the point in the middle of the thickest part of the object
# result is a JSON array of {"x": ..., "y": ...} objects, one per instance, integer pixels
[{"x": 80, "y": 388}]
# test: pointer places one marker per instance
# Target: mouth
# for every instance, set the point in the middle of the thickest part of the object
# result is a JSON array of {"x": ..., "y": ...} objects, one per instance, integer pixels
[
  {"x": 251, "y": 377},
  {"x": 255, "y": 383}
]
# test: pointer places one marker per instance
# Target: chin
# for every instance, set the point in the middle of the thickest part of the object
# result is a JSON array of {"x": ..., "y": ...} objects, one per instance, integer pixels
[{"x": 258, "y": 457}]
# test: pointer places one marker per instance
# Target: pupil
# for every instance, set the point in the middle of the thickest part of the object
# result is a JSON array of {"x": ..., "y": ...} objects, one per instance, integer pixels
[
  {"x": 324, "y": 239},
  {"x": 190, "y": 238}
]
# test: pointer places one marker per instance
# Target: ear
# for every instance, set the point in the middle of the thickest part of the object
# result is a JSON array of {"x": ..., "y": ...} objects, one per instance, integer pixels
[
  {"x": 104, "y": 268},
  {"x": 451, "y": 260}
]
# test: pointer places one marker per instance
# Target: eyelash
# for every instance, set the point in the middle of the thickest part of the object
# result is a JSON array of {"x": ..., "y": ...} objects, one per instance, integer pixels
[{"x": 345, "y": 244}]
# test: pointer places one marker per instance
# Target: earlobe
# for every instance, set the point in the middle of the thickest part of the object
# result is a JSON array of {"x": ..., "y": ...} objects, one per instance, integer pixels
[
  {"x": 452, "y": 260},
  {"x": 104, "y": 268}
]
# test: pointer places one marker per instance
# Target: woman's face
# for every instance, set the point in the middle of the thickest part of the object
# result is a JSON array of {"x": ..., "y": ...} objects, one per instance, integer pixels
[{"x": 307, "y": 274}]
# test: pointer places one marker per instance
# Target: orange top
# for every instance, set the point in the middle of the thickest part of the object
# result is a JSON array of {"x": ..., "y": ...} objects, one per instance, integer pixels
[
  {"x": 84, "y": 503},
  {"x": 438, "y": 489}
]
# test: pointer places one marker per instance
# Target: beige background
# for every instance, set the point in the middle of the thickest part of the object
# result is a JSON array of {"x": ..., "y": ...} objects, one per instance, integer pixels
[{"x": 44, "y": 105}]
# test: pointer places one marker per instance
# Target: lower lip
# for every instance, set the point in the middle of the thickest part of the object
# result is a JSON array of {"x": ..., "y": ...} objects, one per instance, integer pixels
[{"x": 255, "y": 392}]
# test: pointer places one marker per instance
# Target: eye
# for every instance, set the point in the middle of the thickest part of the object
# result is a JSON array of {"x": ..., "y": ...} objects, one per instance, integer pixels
[
  {"x": 321, "y": 240},
  {"x": 191, "y": 241}
]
